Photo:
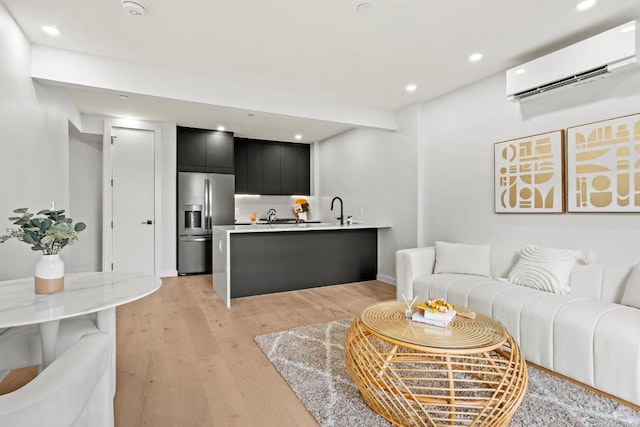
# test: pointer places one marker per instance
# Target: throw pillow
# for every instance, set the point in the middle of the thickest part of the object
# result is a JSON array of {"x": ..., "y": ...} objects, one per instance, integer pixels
[
  {"x": 631, "y": 295},
  {"x": 462, "y": 259},
  {"x": 546, "y": 269}
]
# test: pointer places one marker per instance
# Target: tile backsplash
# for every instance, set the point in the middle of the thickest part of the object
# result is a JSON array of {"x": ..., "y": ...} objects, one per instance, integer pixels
[{"x": 247, "y": 205}]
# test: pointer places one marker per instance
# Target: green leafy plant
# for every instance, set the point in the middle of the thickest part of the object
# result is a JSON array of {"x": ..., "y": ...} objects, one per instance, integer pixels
[{"x": 48, "y": 231}]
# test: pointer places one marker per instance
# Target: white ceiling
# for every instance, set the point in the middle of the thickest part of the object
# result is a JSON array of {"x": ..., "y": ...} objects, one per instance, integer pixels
[{"x": 323, "y": 49}]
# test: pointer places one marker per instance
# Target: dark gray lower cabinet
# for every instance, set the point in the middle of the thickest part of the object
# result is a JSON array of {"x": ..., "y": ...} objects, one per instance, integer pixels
[{"x": 263, "y": 263}]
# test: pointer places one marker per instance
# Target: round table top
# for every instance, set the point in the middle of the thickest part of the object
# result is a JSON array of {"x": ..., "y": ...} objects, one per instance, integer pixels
[
  {"x": 387, "y": 319},
  {"x": 83, "y": 293}
]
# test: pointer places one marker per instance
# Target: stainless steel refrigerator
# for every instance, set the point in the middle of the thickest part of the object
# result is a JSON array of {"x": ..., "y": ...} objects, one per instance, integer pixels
[{"x": 204, "y": 200}]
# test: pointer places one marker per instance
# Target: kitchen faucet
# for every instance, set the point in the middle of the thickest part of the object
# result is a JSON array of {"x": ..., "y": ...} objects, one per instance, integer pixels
[
  {"x": 271, "y": 216},
  {"x": 341, "y": 217}
]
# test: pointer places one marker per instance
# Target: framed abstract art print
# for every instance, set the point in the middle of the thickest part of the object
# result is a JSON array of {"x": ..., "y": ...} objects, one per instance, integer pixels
[
  {"x": 529, "y": 174},
  {"x": 603, "y": 166}
]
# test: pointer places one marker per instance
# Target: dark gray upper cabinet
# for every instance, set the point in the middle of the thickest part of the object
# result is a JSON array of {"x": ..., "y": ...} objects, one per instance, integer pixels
[
  {"x": 272, "y": 168},
  {"x": 241, "y": 155},
  {"x": 271, "y": 171},
  {"x": 288, "y": 169},
  {"x": 303, "y": 173},
  {"x": 254, "y": 167},
  {"x": 219, "y": 147},
  {"x": 248, "y": 166},
  {"x": 202, "y": 150},
  {"x": 191, "y": 147}
]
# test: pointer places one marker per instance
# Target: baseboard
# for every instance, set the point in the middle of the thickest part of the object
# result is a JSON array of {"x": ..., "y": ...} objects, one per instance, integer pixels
[
  {"x": 169, "y": 273},
  {"x": 386, "y": 279}
]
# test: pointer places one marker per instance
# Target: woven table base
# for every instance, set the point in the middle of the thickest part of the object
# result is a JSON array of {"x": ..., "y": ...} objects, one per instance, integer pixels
[{"x": 413, "y": 386}]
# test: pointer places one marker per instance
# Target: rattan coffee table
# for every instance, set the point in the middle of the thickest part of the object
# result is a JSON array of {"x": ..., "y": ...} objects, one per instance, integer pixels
[{"x": 412, "y": 374}]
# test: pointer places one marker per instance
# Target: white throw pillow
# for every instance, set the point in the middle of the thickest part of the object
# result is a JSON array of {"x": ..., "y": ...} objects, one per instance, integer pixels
[
  {"x": 631, "y": 295},
  {"x": 546, "y": 269},
  {"x": 463, "y": 259}
]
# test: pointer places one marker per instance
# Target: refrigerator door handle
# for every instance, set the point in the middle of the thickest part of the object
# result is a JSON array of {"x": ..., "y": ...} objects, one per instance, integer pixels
[
  {"x": 207, "y": 204},
  {"x": 194, "y": 239}
]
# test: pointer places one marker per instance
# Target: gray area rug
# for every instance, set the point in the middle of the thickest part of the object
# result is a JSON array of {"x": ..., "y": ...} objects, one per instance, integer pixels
[{"x": 310, "y": 359}]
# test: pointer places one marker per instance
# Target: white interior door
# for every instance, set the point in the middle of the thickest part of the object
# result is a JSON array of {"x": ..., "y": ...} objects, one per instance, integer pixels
[{"x": 133, "y": 200}]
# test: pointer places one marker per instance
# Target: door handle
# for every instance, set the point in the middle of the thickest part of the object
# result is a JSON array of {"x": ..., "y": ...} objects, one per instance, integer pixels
[
  {"x": 147, "y": 222},
  {"x": 194, "y": 239},
  {"x": 207, "y": 204}
]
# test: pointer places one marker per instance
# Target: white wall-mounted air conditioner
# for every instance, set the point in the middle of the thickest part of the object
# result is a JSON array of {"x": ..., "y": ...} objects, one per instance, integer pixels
[{"x": 588, "y": 60}]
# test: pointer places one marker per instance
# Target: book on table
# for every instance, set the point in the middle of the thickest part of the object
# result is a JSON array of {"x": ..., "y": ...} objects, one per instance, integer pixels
[{"x": 434, "y": 318}]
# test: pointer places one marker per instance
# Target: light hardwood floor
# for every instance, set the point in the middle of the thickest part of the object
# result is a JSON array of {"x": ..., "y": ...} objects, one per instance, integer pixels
[{"x": 184, "y": 359}]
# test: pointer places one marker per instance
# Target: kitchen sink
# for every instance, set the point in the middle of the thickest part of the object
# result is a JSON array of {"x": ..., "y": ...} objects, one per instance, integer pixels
[
  {"x": 286, "y": 221},
  {"x": 308, "y": 224}
]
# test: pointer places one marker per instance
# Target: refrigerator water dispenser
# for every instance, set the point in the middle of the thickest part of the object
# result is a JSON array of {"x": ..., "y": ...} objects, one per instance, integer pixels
[{"x": 192, "y": 216}]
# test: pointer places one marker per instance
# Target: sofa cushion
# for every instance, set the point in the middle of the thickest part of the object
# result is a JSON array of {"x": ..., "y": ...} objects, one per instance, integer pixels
[
  {"x": 454, "y": 288},
  {"x": 507, "y": 306},
  {"x": 631, "y": 295},
  {"x": 573, "y": 329},
  {"x": 547, "y": 269},
  {"x": 463, "y": 259},
  {"x": 481, "y": 298},
  {"x": 502, "y": 261},
  {"x": 537, "y": 326},
  {"x": 601, "y": 281},
  {"x": 615, "y": 350}
]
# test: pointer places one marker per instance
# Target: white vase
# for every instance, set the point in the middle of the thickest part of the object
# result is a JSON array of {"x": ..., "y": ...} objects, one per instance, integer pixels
[{"x": 49, "y": 275}]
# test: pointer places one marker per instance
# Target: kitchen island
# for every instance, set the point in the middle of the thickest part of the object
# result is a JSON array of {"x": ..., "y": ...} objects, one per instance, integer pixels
[{"x": 261, "y": 258}]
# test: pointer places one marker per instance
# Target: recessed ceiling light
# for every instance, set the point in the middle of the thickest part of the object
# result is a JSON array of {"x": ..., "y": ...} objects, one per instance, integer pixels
[
  {"x": 520, "y": 71},
  {"x": 51, "y": 30},
  {"x": 298, "y": 136},
  {"x": 134, "y": 7},
  {"x": 124, "y": 97},
  {"x": 411, "y": 87},
  {"x": 475, "y": 57},
  {"x": 628, "y": 28},
  {"x": 585, "y": 4},
  {"x": 221, "y": 128}
]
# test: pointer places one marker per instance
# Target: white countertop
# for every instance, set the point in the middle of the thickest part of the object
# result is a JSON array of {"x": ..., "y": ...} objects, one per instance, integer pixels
[
  {"x": 266, "y": 228},
  {"x": 83, "y": 293}
]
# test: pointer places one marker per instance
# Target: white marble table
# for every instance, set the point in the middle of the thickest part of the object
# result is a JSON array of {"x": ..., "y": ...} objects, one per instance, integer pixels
[{"x": 83, "y": 293}]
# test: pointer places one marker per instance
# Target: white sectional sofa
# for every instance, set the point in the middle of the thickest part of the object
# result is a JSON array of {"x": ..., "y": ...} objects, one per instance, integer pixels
[{"x": 587, "y": 334}]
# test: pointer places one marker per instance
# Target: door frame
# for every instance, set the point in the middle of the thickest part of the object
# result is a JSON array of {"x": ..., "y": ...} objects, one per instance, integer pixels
[{"x": 107, "y": 190}]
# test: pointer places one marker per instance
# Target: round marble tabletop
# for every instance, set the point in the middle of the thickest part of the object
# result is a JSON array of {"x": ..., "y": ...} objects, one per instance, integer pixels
[{"x": 83, "y": 293}]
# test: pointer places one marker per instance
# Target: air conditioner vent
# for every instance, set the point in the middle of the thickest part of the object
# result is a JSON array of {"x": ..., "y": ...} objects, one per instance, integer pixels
[
  {"x": 591, "y": 59},
  {"x": 587, "y": 75}
]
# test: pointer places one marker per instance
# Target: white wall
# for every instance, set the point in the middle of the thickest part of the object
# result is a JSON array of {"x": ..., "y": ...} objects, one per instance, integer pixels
[
  {"x": 168, "y": 200},
  {"x": 375, "y": 174},
  {"x": 33, "y": 144},
  {"x": 456, "y": 160},
  {"x": 85, "y": 187}
]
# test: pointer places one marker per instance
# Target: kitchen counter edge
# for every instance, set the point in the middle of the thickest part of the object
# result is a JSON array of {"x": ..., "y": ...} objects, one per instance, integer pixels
[{"x": 264, "y": 228}]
